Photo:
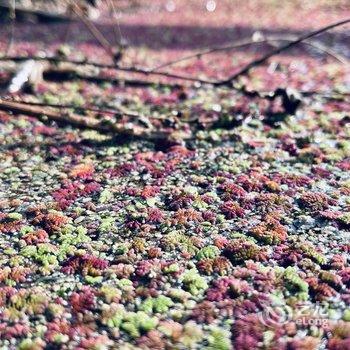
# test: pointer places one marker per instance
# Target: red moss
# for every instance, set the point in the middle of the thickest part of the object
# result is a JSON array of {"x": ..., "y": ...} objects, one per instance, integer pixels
[
  {"x": 232, "y": 191},
  {"x": 186, "y": 216},
  {"x": 121, "y": 170},
  {"x": 232, "y": 210},
  {"x": 205, "y": 312},
  {"x": 209, "y": 216},
  {"x": 221, "y": 242},
  {"x": 270, "y": 202},
  {"x": 292, "y": 180},
  {"x": 287, "y": 255},
  {"x": 345, "y": 276},
  {"x": 51, "y": 222},
  {"x": 83, "y": 300},
  {"x": 149, "y": 191},
  {"x": 270, "y": 231},
  {"x": 315, "y": 201},
  {"x": 220, "y": 265},
  {"x": 307, "y": 343},
  {"x": 180, "y": 201},
  {"x": 154, "y": 252},
  {"x": 330, "y": 214},
  {"x": 240, "y": 250},
  {"x": 144, "y": 267},
  {"x": 338, "y": 344},
  {"x": 254, "y": 181},
  {"x": 39, "y": 236},
  {"x": 344, "y": 165},
  {"x": 155, "y": 215},
  {"x": 227, "y": 287},
  {"x": 85, "y": 265},
  {"x": 10, "y": 226},
  {"x": 11, "y": 331},
  {"x": 70, "y": 191},
  {"x": 337, "y": 262},
  {"x": 152, "y": 340},
  {"x": 82, "y": 171},
  {"x": 320, "y": 291},
  {"x": 16, "y": 274},
  {"x": 67, "y": 194}
]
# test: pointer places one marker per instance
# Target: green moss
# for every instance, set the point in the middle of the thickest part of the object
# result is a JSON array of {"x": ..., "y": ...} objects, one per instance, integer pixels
[
  {"x": 134, "y": 323},
  {"x": 218, "y": 339},
  {"x": 26, "y": 344},
  {"x": 293, "y": 282},
  {"x": 14, "y": 216},
  {"x": 115, "y": 318},
  {"x": 192, "y": 335},
  {"x": 172, "y": 268},
  {"x": 109, "y": 293},
  {"x": 107, "y": 224},
  {"x": 147, "y": 305},
  {"x": 179, "y": 294},
  {"x": 105, "y": 196},
  {"x": 209, "y": 252},
  {"x": 193, "y": 282},
  {"x": 345, "y": 219},
  {"x": 160, "y": 304},
  {"x": 93, "y": 280},
  {"x": 26, "y": 229},
  {"x": 346, "y": 315}
]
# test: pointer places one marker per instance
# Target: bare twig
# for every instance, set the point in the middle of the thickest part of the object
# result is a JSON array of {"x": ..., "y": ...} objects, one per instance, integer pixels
[
  {"x": 59, "y": 74},
  {"x": 83, "y": 122},
  {"x": 92, "y": 28},
  {"x": 223, "y": 83},
  {"x": 71, "y": 106},
  {"x": 277, "y": 51},
  {"x": 12, "y": 16},
  {"x": 136, "y": 70},
  {"x": 95, "y": 108},
  {"x": 116, "y": 28},
  {"x": 248, "y": 42}
]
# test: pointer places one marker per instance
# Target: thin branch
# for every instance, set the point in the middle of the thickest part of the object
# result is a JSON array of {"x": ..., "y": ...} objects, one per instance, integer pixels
[
  {"x": 136, "y": 70},
  {"x": 58, "y": 74},
  {"x": 12, "y": 16},
  {"x": 148, "y": 72},
  {"x": 121, "y": 111},
  {"x": 226, "y": 82},
  {"x": 116, "y": 28},
  {"x": 92, "y": 28},
  {"x": 83, "y": 122},
  {"x": 95, "y": 108},
  {"x": 248, "y": 42},
  {"x": 277, "y": 51}
]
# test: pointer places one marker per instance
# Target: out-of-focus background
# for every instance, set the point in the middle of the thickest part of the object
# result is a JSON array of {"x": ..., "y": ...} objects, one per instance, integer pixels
[{"x": 159, "y": 30}]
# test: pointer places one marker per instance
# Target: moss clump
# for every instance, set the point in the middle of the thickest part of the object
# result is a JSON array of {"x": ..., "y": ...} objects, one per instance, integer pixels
[
  {"x": 135, "y": 323},
  {"x": 346, "y": 315},
  {"x": 160, "y": 304},
  {"x": 219, "y": 339},
  {"x": 14, "y": 216},
  {"x": 294, "y": 283},
  {"x": 345, "y": 219},
  {"x": 106, "y": 224},
  {"x": 209, "y": 252},
  {"x": 193, "y": 282},
  {"x": 105, "y": 196},
  {"x": 240, "y": 250}
]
